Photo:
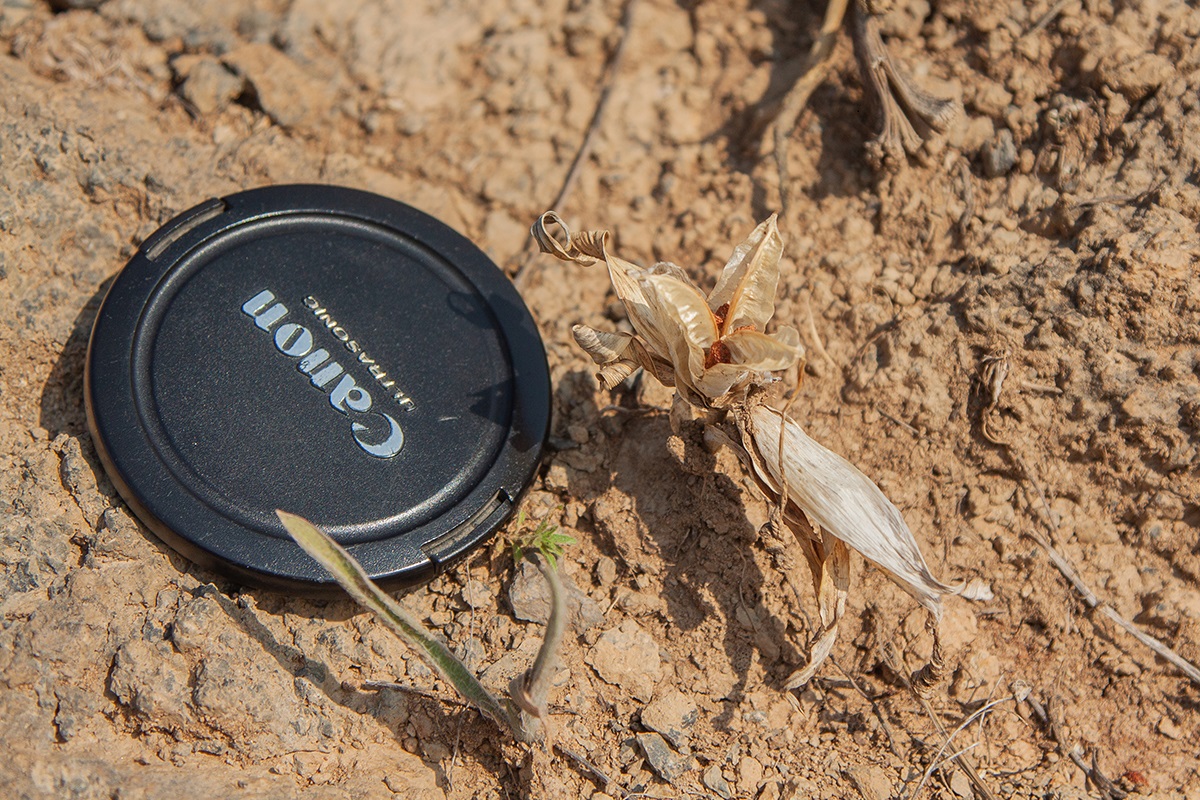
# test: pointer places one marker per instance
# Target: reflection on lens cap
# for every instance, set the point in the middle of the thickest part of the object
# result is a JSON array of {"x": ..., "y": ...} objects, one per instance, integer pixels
[{"x": 326, "y": 351}]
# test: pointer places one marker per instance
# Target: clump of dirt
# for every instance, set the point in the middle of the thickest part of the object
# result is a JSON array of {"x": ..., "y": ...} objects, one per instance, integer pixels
[{"x": 1055, "y": 223}]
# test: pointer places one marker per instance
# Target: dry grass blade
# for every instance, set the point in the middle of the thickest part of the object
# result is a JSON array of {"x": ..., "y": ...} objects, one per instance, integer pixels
[
  {"x": 350, "y": 576},
  {"x": 815, "y": 67},
  {"x": 530, "y": 694},
  {"x": 938, "y": 761},
  {"x": 833, "y": 581},
  {"x": 960, "y": 758}
]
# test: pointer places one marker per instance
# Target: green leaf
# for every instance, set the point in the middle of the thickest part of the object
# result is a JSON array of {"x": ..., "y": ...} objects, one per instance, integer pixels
[{"x": 545, "y": 539}]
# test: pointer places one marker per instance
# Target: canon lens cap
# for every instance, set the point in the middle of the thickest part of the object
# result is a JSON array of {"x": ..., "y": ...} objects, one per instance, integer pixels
[{"x": 325, "y": 351}]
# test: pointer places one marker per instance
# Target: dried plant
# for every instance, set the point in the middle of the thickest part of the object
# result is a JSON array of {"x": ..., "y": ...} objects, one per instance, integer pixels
[
  {"x": 908, "y": 114},
  {"x": 523, "y": 715},
  {"x": 717, "y": 355}
]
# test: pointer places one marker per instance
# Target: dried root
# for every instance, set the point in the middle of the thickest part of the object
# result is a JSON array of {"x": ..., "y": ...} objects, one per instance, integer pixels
[
  {"x": 993, "y": 372},
  {"x": 910, "y": 115}
]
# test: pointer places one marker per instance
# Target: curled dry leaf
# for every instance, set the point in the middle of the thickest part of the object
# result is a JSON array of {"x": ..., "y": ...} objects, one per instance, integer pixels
[{"x": 714, "y": 350}]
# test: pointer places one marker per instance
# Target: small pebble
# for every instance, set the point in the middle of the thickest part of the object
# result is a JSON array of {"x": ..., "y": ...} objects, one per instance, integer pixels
[{"x": 999, "y": 154}]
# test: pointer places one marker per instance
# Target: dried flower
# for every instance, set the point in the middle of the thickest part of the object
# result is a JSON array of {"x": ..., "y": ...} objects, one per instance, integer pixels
[
  {"x": 707, "y": 348},
  {"x": 716, "y": 354}
]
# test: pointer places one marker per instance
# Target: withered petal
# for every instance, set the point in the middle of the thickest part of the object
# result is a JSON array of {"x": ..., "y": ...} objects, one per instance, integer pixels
[
  {"x": 680, "y": 308},
  {"x": 719, "y": 379},
  {"x": 758, "y": 351},
  {"x": 750, "y": 278},
  {"x": 613, "y": 373}
]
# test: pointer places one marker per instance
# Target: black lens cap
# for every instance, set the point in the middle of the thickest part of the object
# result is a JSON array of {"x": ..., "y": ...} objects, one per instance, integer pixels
[{"x": 325, "y": 351}]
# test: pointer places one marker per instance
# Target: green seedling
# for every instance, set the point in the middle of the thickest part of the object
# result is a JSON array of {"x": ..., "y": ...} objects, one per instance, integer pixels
[
  {"x": 545, "y": 539},
  {"x": 521, "y": 714}
]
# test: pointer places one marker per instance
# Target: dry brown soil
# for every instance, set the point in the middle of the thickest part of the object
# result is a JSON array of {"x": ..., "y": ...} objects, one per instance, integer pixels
[{"x": 1056, "y": 221}]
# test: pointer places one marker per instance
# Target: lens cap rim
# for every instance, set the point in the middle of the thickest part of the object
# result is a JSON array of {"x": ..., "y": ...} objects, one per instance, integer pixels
[{"x": 174, "y": 510}]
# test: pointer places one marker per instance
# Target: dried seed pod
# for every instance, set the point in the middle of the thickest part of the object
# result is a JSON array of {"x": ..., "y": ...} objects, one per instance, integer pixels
[
  {"x": 838, "y": 497},
  {"x": 750, "y": 278},
  {"x": 710, "y": 349}
]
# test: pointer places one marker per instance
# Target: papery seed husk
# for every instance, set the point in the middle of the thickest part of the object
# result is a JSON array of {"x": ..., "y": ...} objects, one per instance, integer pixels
[
  {"x": 750, "y": 278},
  {"x": 762, "y": 352},
  {"x": 840, "y": 499},
  {"x": 686, "y": 319}
]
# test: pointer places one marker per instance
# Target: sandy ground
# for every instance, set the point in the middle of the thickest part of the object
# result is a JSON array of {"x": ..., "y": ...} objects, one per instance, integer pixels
[{"x": 1056, "y": 222}]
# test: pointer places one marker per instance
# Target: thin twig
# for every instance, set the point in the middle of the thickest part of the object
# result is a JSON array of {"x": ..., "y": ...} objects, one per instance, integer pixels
[
  {"x": 1089, "y": 597},
  {"x": 883, "y": 723},
  {"x": 816, "y": 338},
  {"x": 1049, "y": 720},
  {"x": 585, "y": 147},
  {"x": 815, "y": 68},
  {"x": 607, "y": 783},
  {"x": 936, "y": 756},
  {"x": 901, "y": 423},
  {"x": 1046, "y": 18},
  {"x": 961, "y": 759},
  {"x": 968, "y": 212},
  {"x": 407, "y": 689}
]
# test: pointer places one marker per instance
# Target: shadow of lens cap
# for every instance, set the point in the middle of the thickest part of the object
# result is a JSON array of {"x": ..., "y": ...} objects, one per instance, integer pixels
[{"x": 325, "y": 351}]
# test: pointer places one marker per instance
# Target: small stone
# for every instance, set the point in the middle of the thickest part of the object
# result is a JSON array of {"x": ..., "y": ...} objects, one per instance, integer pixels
[
  {"x": 770, "y": 791},
  {"x": 672, "y": 715},
  {"x": 606, "y": 572},
  {"x": 529, "y": 597},
  {"x": 750, "y": 775},
  {"x": 477, "y": 594},
  {"x": 1168, "y": 728},
  {"x": 151, "y": 680},
  {"x": 75, "y": 709},
  {"x": 665, "y": 762},
  {"x": 208, "y": 85},
  {"x": 641, "y": 604},
  {"x": 435, "y": 752},
  {"x": 871, "y": 781},
  {"x": 284, "y": 91},
  {"x": 715, "y": 781},
  {"x": 627, "y": 657},
  {"x": 999, "y": 154},
  {"x": 960, "y": 784},
  {"x": 307, "y": 764}
]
